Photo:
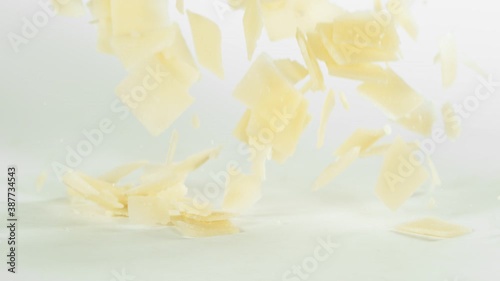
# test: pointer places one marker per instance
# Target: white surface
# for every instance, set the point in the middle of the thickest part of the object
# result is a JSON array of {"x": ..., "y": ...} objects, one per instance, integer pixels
[{"x": 58, "y": 85}]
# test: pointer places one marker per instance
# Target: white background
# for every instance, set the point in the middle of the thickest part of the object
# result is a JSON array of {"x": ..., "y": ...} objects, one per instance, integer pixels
[{"x": 59, "y": 85}]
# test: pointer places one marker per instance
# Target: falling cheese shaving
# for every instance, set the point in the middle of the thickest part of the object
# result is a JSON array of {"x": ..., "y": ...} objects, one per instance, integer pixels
[
  {"x": 172, "y": 146},
  {"x": 420, "y": 120},
  {"x": 317, "y": 79},
  {"x": 292, "y": 70},
  {"x": 69, "y": 8},
  {"x": 448, "y": 59},
  {"x": 328, "y": 106},
  {"x": 432, "y": 228},
  {"x": 115, "y": 175},
  {"x": 363, "y": 139},
  {"x": 335, "y": 169},
  {"x": 207, "y": 42},
  {"x": 344, "y": 101},
  {"x": 179, "y": 4},
  {"x": 401, "y": 175},
  {"x": 252, "y": 23}
]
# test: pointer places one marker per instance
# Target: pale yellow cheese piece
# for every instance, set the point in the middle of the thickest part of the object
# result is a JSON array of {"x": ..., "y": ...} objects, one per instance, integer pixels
[
  {"x": 328, "y": 106},
  {"x": 100, "y": 9},
  {"x": 420, "y": 120},
  {"x": 432, "y": 228},
  {"x": 207, "y": 42},
  {"x": 452, "y": 122},
  {"x": 363, "y": 72},
  {"x": 41, "y": 180},
  {"x": 376, "y": 150},
  {"x": 135, "y": 49},
  {"x": 195, "y": 161},
  {"x": 291, "y": 69},
  {"x": 395, "y": 97},
  {"x": 69, "y": 8},
  {"x": 154, "y": 95},
  {"x": 283, "y": 18},
  {"x": 335, "y": 169},
  {"x": 169, "y": 179},
  {"x": 448, "y": 59},
  {"x": 362, "y": 138},
  {"x": 343, "y": 100},
  {"x": 317, "y": 79},
  {"x": 113, "y": 190},
  {"x": 195, "y": 121},
  {"x": 401, "y": 175},
  {"x": 104, "y": 35},
  {"x": 179, "y": 4},
  {"x": 137, "y": 17},
  {"x": 196, "y": 228},
  {"x": 436, "y": 180},
  {"x": 172, "y": 146},
  {"x": 242, "y": 192},
  {"x": 147, "y": 210},
  {"x": 252, "y": 24},
  {"x": 240, "y": 132},
  {"x": 118, "y": 173}
]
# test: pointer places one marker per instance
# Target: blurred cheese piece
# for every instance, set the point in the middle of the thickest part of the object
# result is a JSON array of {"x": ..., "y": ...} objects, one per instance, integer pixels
[
  {"x": 420, "y": 120},
  {"x": 138, "y": 17},
  {"x": 402, "y": 174},
  {"x": 179, "y": 4},
  {"x": 120, "y": 172},
  {"x": 343, "y": 100},
  {"x": 335, "y": 169},
  {"x": 282, "y": 18},
  {"x": 448, "y": 59},
  {"x": 317, "y": 79},
  {"x": 394, "y": 96},
  {"x": 198, "y": 228},
  {"x": 172, "y": 146},
  {"x": 69, "y": 8},
  {"x": 362, "y": 138},
  {"x": 432, "y": 228},
  {"x": 328, "y": 105},
  {"x": 375, "y": 150},
  {"x": 452, "y": 122},
  {"x": 363, "y": 72},
  {"x": 277, "y": 111},
  {"x": 242, "y": 192},
  {"x": 207, "y": 42},
  {"x": 147, "y": 210},
  {"x": 252, "y": 24},
  {"x": 154, "y": 95},
  {"x": 291, "y": 69}
]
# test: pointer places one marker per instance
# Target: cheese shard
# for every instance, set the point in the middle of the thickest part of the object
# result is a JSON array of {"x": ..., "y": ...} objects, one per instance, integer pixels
[
  {"x": 420, "y": 120},
  {"x": 328, "y": 105},
  {"x": 118, "y": 173},
  {"x": 361, "y": 138},
  {"x": 207, "y": 42},
  {"x": 69, "y": 8},
  {"x": 363, "y": 72},
  {"x": 137, "y": 17},
  {"x": 154, "y": 95},
  {"x": 198, "y": 228},
  {"x": 448, "y": 59},
  {"x": 452, "y": 121},
  {"x": 252, "y": 24},
  {"x": 292, "y": 70},
  {"x": 375, "y": 150},
  {"x": 405, "y": 19},
  {"x": 317, "y": 79},
  {"x": 282, "y": 18},
  {"x": 179, "y": 4},
  {"x": 395, "y": 96},
  {"x": 172, "y": 146},
  {"x": 335, "y": 169},
  {"x": 343, "y": 100},
  {"x": 402, "y": 174},
  {"x": 242, "y": 192},
  {"x": 147, "y": 210},
  {"x": 432, "y": 228}
]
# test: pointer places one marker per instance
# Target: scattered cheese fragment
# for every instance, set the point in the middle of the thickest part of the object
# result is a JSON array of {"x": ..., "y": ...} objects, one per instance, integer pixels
[
  {"x": 436, "y": 180},
  {"x": 344, "y": 101},
  {"x": 448, "y": 59},
  {"x": 138, "y": 16},
  {"x": 401, "y": 175},
  {"x": 196, "y": 121},
  {"x": 172, "y": 145},
  {"x": 363, "y": 139},
  {"x": 325, "y": 113},
  {"x": 252, "y": 24},
  {"x": 154, "y": 95},
  {"x": 317, "y": 79},
  {"x": 405, "y": 19},
  {"x": 420, "y": 120},
  {"x": 115, "y": 175},
  {"x": 451, "y": 121},
  {"x": 335, "y": 169},
  {"x": 69, "y": 8},
  {"x": 207, "y": 42},
  {"x": 40, "y": 180},
  {"x": 395, "y": 97},
  {"x": 375, "y": 150},
  {"x": 196, "y": 228},
  {"x": 292, "y": 70},
  {"x": 474, "y": 66},
  {"x": 282, "y": 18},
  {"x": 179, "y": 4},
  {"x": 242, "y": 192},
  {"x": 432, "y": 228}
]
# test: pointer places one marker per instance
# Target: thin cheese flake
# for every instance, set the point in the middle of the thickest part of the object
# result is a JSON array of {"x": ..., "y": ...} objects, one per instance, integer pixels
[
  {"x": 336, "y": 168},
  {"x": 432, "y": 228},
  {"x": 328, "y": 106},
  {"x": 252, "y": 24},
  {"x": 448, "y": 59},
  {"x": 361, "y": 138},
  {"x": 207, "y": 42},
  {"x": 451, "y": 120}
]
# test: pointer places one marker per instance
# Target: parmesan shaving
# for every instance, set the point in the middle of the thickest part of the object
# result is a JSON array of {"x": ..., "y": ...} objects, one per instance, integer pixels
[
  {"x": 344, "y": 101},
  {"x": 448, "y": 59},
  {"x": 432, "y": 228},
  {"x": 252, "y": 23},
  {"x": 174, "y": 138},
  {"x": 328, "y": 106},
  {"x": 335, "y": 169},
  {"x": 451, "y": 120}
]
